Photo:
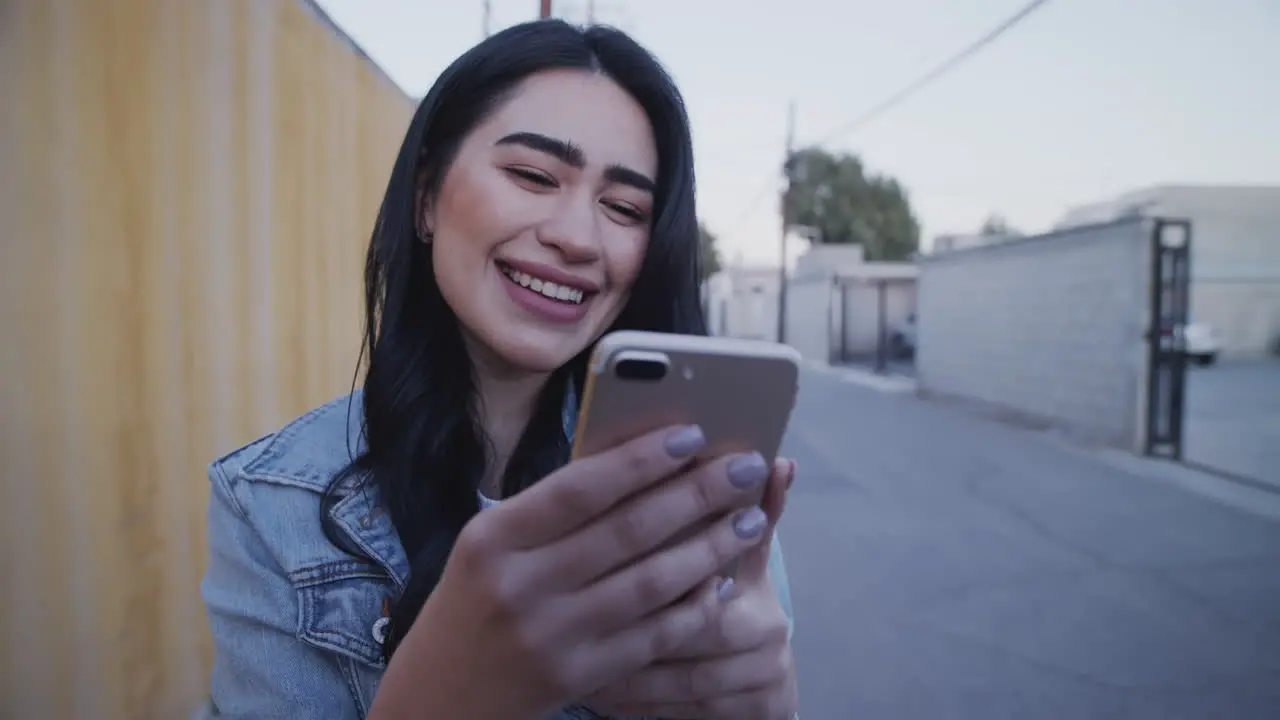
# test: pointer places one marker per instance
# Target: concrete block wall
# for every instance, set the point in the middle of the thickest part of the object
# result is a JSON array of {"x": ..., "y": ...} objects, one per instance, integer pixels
[
  {"x": 1235, "y": 279},
  {"x": 1244, "y": 312},
  {"x": 1048, "y": 327}
]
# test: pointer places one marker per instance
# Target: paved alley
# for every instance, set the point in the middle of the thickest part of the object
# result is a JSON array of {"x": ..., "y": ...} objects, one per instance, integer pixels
[{"x": 943, "y": 566}]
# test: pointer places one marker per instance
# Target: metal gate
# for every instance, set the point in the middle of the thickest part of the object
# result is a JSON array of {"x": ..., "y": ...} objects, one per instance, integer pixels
[{"x": 1166, "y": 342}]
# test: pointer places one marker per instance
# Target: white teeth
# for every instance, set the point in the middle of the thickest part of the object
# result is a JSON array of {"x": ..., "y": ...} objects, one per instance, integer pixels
[{"x": 547, "y": 288}]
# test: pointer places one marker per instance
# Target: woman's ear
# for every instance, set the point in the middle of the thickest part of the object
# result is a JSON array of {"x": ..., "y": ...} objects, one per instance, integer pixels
[{"x": 424, "y": 220}]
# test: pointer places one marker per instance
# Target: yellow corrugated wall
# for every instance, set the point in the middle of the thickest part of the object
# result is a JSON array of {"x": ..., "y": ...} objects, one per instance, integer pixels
[{"x": 186, "y": 190}]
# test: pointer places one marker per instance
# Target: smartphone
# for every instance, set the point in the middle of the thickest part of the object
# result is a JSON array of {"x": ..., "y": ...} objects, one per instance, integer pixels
[{"x": 740, "y": 392}]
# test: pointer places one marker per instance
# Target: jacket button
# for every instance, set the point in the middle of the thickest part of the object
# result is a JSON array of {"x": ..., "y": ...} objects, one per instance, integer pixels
[{"x": 380, "y": 629}]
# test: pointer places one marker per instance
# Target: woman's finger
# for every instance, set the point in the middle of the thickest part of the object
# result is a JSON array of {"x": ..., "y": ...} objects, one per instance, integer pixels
[
  {"x": 746, "y": 622},
  {"x": 659, "y": 634},
  {"x": 663, "y": 577},
  {"x": 699, "y": 681},
  {"x": 755, "y": 564},
  {"x": 774, "y": 701},
  {"x": 585, "y": 489},
  {"x": 635, "y": 528}
]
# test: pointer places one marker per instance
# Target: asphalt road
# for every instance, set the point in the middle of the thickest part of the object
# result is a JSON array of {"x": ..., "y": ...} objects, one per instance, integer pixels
[
  {"x": 948, "y": 567},
  {"x": 1232, "y": 418}
]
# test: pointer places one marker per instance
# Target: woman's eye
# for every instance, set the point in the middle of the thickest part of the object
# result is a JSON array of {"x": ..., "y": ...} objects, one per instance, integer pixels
[
  {"x": 627, "y": 211},
  {"x": 532, "y": 176}
]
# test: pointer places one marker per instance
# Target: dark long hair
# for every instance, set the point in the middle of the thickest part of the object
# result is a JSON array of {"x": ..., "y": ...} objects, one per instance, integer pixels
[{"x": 425, "y": 449}]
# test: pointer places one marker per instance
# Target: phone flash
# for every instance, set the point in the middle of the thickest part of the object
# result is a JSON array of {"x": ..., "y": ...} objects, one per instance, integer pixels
[{"x": 687, "y": 373}]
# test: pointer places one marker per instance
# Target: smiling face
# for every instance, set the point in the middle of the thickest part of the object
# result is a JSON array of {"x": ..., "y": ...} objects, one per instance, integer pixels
[{"x": 541, "y": 222}]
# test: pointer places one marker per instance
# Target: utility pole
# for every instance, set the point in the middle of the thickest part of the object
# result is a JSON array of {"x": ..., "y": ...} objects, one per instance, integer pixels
[
  {"x": 591, "y": 12},
  {"x": 544, "y": 9},
  {"x": 487, "y": 15},
  {"x": 786, "y": 223}
]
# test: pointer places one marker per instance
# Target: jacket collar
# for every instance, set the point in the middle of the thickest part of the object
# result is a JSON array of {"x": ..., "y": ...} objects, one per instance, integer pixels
[{"x": 313, "y": 449}]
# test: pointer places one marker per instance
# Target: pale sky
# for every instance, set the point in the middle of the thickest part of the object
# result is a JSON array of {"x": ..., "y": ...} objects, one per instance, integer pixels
[{"x": 1082, "y": 101}]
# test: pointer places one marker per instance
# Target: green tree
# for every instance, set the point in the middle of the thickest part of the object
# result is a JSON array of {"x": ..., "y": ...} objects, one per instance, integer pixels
[
  {"x": 996, "y": 225},
  {"x": 708, "y": 251},
  {"x": 836, "y": 195}
]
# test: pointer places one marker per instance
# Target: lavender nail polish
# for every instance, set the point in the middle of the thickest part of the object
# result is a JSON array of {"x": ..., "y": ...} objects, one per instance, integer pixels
[
  {"x": 747, "y": 470},
  {"x": 724, "y": 589},
  {"x": 685, "y": 441},
  {"x": 750, "y": 523}
]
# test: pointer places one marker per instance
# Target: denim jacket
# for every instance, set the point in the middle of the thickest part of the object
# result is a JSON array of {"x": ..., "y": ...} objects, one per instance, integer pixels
[{"x": 296, "y": 620}]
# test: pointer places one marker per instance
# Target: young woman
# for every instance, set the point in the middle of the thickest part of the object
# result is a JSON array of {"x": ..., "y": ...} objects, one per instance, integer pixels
[{"x": 543, "y": 195}]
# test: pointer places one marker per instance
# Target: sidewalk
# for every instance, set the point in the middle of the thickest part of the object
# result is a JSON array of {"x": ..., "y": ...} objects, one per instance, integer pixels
[
  {"x": 1257, "y": 497},
  {"x": 864, "y": 377}
]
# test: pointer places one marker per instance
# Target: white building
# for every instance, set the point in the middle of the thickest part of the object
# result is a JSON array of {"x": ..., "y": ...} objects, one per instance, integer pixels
[
  {"x": 823, "y": 259},
  {"x": 835, "y": 302},
  {"x": 742, "y": 301}
]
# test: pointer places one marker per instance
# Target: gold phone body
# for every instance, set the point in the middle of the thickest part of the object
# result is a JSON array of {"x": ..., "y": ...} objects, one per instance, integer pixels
[{"x": 740, "y": 392}]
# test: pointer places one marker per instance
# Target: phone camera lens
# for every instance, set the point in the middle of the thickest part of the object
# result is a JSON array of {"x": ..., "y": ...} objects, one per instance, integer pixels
[{"x": 642, "y": 370}]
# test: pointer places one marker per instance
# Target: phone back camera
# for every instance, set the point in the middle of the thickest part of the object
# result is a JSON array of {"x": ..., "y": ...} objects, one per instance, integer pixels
[{"x": 640, "y": 370}]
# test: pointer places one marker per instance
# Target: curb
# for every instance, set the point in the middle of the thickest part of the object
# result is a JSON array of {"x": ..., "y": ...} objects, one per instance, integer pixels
[{"x": 865, "y": 378}]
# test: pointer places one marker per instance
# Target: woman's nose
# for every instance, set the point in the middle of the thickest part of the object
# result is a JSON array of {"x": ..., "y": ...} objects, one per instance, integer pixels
[{"x": 574, "y": 231}]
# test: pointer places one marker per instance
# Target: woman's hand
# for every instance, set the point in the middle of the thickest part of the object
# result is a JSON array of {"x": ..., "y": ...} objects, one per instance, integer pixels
[
  {"x": 740, "y": 668},
  {"x": 558, "y": 591}
]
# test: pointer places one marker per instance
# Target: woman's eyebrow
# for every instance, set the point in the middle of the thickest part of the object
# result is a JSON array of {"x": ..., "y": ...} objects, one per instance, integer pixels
[{"x": 572, "y": 155}]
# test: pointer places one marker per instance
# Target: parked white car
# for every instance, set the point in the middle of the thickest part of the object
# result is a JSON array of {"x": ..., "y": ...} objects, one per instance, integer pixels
[{"x": 1202, "y": 343}]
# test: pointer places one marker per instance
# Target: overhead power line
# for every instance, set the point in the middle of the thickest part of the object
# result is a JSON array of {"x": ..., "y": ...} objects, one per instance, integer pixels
[
  {"x": 937, "y": 72},
  {"x": 898, "y": 97}
]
